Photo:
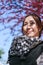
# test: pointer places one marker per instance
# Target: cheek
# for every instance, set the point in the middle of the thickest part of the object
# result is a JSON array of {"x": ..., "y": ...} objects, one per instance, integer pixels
[
  {"x": 24, "y": 28},
  {"x": 35, "y": 28}
]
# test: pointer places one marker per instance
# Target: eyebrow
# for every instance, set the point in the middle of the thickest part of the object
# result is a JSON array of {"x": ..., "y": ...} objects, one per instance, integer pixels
[
  {"x": 30, "y": 21},
  {"x": 25, "y": 22}
]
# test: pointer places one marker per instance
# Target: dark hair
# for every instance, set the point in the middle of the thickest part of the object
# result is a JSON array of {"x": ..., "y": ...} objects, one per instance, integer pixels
[{"x": 38, "y": 21}]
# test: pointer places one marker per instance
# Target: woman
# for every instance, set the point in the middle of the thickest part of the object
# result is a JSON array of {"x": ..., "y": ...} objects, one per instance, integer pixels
[{"x": 27, "y": 48}]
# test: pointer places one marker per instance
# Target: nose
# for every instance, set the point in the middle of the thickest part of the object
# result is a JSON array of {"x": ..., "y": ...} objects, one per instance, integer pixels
[{"x": 29, "y": 26}]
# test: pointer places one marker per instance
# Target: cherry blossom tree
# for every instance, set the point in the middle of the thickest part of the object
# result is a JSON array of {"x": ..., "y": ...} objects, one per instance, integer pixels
[{"x": 14, "y": 11}]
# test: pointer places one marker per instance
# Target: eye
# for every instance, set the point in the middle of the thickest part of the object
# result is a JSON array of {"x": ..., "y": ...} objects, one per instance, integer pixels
[
  {"x": 25, "y": 23},
  {"x": 32, "y": 22}
]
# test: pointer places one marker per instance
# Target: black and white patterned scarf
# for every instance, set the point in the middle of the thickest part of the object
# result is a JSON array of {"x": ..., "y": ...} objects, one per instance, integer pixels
[{"x": 22, "y": 45}]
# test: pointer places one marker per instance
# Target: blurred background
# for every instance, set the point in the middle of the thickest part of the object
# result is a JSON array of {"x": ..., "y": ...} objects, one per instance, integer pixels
[{"x": 12, "y": 14}]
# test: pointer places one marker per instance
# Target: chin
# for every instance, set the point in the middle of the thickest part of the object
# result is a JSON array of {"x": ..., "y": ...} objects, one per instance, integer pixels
[{"x": 30, "y": 35}]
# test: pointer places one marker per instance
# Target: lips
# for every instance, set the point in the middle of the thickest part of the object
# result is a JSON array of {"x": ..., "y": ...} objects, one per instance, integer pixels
[{"x": 29, "y": 31}]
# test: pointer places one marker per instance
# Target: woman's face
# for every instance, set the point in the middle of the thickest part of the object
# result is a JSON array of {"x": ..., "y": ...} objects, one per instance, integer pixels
[{"x": 30, "y": 27}]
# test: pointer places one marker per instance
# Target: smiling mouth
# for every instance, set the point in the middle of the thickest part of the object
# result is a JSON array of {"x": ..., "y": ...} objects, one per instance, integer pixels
[{"x": 29, "y": 31}]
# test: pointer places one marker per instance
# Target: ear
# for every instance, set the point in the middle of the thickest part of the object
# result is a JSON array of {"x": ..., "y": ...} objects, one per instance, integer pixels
[{"x": 40, "y": 29}]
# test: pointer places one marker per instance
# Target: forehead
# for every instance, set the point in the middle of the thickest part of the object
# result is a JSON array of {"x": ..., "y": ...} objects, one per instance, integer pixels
[{"x": 29, "y": 18}]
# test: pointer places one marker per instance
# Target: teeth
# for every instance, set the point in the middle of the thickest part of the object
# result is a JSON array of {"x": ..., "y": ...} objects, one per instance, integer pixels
[{"x": 29, "y": 30}]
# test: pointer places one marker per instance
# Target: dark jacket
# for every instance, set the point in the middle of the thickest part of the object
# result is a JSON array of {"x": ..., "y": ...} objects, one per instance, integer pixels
[{"x": 25, "y": 51}]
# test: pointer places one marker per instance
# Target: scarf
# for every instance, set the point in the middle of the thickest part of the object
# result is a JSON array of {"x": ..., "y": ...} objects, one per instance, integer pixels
[{"x": 22, "y": 45}]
